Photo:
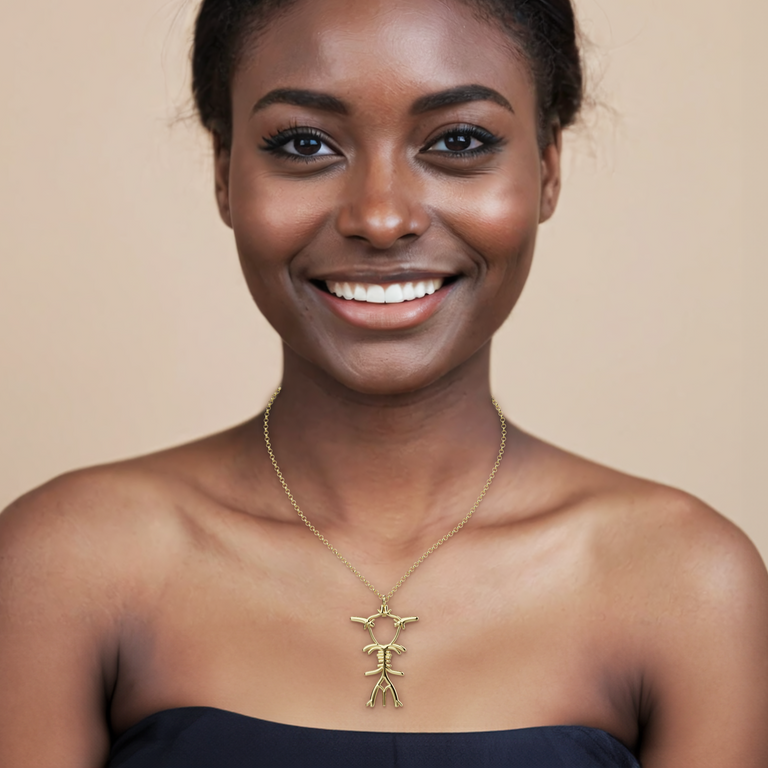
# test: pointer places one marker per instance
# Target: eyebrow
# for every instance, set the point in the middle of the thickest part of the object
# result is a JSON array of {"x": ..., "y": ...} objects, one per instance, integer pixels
[
  {"x": 302, "y": 98},
  {"x": 462, "y": 94}
]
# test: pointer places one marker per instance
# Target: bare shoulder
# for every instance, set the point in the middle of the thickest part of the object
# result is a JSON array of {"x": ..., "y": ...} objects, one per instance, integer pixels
[
  {"x": 696, "y": 610},
  {"x": 115, "y": 514},
  {"x": 77, "y": 556},
  {"x": 702, "y": 582},
  {"x": 83, "y": 507},
  {"x": 704, "y": 638},
  {"x": 670, "y": 564},
  {"x": 76, "y": 540},
  {"x": 686, "y": 592},
  {"x": 115, "y": 526},
  {"x": 652, "y": 534},
  {"x": 677, "y": 552}
]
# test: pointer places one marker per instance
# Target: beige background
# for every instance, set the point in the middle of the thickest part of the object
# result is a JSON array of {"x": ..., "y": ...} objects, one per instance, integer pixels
[{"x": 640, "y": 341}]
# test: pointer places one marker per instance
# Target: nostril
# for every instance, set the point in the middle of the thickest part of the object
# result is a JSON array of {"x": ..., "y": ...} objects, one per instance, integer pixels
[{"x": 380, "y": 225}]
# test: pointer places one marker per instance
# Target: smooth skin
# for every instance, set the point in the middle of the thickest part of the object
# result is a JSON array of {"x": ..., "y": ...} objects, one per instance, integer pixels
[{"x": 576, "y": 595}]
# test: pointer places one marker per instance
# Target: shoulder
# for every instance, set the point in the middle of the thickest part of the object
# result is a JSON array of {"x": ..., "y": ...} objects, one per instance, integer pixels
[
  {"x": 98, "y": 525},
  {"x": 651, "y": 532},
  {"x": 688, "y": 594},
  {"x": 708, "y": 586},
  {"x": 79, "y": 556},
  {"x": 125, "y": 522},
  {"x": 104, "y": 499},
  {"x": 662, "y": 557},
  {"x": 674, "y": 546},
  {"x": 668, "y": 549},
  {"x": 75, "y": 533},
  {"x": 680, "y": 598}
]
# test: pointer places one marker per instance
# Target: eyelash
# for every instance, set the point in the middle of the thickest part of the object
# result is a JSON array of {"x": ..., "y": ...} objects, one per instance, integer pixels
[
  {"x": 275, "y": 142},
  {"x": 490, "y": 141}
]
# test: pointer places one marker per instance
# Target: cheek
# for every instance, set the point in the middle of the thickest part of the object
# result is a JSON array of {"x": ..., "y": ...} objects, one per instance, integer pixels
[
  {"x": 274, "y": 219},
  {"x": 272, "y": 222},
  {"x": 498, "y": 226},
  {"x": 498, "y": 218}
]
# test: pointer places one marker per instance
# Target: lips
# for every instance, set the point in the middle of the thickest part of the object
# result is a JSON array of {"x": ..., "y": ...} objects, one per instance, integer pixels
[{"x": 385, "y": 306}]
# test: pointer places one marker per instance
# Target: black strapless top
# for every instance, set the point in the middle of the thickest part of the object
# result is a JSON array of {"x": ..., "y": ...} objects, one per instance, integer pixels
[{"x": 204, "y": 737}]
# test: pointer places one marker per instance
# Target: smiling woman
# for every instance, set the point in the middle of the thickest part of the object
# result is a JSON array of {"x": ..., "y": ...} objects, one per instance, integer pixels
[
  {"x": 384, "y": 167},
  {"x": 378, "y": 176}
]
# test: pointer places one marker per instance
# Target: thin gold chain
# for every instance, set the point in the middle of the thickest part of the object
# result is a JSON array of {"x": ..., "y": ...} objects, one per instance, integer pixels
[{"x": 384, "y": 598}]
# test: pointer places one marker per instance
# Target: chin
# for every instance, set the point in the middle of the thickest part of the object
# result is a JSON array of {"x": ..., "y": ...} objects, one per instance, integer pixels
[
  {"x": 385, "y": 384},
  {"x": 391, "y": 372}
]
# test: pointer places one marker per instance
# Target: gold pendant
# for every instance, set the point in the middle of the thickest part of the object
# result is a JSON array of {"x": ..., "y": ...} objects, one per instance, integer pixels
[{"x": 384, "y": 654}]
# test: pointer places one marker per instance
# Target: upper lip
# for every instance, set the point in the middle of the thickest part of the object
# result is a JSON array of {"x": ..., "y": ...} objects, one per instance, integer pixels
[{"x": 381, "y": 277}]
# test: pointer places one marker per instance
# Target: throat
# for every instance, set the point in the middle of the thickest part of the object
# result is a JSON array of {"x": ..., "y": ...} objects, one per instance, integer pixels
[{"x": 374, "y": 478}]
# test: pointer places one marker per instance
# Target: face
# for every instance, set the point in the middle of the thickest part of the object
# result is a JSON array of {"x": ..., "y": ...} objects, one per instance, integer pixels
[{"x": 385, "y": 185}]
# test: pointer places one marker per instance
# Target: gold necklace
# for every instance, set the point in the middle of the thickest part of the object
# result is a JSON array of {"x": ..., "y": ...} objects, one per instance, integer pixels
[{"x": 383, "y": 651}]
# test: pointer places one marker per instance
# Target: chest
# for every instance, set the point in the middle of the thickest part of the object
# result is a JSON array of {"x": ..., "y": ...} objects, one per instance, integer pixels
[{"x": 477, "y": 640}]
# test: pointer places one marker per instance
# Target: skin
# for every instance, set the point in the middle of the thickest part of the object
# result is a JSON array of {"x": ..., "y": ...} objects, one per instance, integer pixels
[{"x": 576, "y": 595}]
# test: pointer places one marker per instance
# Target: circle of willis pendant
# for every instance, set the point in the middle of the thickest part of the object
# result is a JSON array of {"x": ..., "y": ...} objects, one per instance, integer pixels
[{"x": 384, "y": 654}]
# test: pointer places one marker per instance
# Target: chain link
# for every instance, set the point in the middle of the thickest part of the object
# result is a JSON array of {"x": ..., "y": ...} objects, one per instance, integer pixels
[{"x": 385, "y": 598}]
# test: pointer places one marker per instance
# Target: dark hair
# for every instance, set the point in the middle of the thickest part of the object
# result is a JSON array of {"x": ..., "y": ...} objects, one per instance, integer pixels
[{"x": 544, "y": 30}]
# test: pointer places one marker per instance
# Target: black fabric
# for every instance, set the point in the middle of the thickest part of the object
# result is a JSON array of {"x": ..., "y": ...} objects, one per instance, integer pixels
[{"x": 203, "y": 737}]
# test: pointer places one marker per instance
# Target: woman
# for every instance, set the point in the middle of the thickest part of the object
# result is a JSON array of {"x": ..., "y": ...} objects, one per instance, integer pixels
[{"x": 384, "y": 167}]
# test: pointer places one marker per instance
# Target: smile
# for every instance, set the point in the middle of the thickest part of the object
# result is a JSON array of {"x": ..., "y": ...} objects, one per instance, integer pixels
[
  {"x": 391, "y": 293},
  {"x": 387, "y": 306}
]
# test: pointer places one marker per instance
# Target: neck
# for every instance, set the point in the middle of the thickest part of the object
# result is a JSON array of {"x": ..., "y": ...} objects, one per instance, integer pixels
[{"x": 391, "y": 471}]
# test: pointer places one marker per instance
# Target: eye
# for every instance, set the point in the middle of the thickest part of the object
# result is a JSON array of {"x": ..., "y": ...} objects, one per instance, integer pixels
[
  {"x": 456, "y": 142},
  {"x": 463, "y": 141},
  {"x": 298, "y": 143},
  {"x": 307, "y": 146}
]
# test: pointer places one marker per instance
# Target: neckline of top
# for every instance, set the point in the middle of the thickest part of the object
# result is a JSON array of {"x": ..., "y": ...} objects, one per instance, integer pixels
[{"x": 406, "y": 734}]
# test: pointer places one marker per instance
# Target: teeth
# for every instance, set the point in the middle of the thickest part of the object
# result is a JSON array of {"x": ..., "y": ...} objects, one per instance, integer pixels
[
  {"x": 391, "y": 293},
  {"x": 394, "y": 294},
  {"x": 376, "y": 295}
]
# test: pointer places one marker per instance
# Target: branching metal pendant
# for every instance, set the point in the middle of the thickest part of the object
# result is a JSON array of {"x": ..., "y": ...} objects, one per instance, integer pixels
[{"x": 384, "y": 654}]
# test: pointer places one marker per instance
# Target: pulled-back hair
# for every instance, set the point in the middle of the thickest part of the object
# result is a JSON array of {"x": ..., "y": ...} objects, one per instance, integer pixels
[{"x": 543, "y": 30}]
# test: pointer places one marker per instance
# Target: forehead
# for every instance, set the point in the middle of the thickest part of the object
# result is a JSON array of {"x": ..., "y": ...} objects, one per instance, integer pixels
[{"x": 389, "y": 45}]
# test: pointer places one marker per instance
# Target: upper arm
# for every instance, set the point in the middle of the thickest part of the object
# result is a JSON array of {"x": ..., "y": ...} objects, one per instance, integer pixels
[
  {"x": 706, "y": 683},
  {"x": 58, "y": 645}
]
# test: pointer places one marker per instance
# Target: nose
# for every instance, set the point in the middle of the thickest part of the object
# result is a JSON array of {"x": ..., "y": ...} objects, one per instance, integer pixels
[{"x": 382, "y": 204}]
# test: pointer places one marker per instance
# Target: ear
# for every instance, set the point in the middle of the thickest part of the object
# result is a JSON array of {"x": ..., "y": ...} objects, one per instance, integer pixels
[
  {"x": 221, "y": 159},
  {"x": 550, "y": 174}
]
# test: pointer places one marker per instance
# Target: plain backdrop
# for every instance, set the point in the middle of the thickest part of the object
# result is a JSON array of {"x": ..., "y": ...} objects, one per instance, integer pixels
[{"x": 641, "y": 340}]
